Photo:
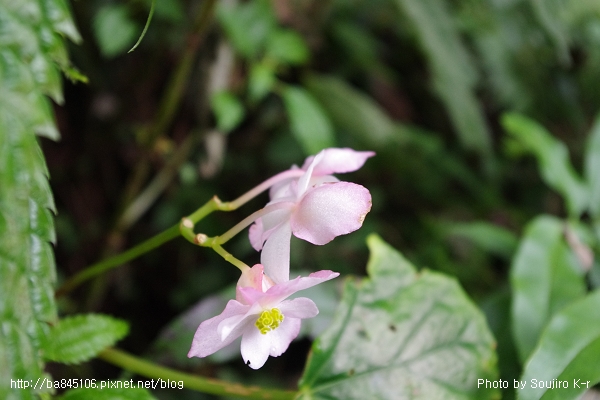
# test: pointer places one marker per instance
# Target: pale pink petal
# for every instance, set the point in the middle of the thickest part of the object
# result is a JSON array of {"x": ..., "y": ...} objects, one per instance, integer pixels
[
  {"x": 207, "y": 339},
  {"x": 255, "y": 234},
  {"x": 282, "y": 188},
  {"x": 339, "y": 161},
  {"x": 330, "y": 210},
  {"x": 305, "y": 179},
  {"x": 263, "y": 227},
  {"x": 252, "y": 277},
  {"x": 255, "y": 347},
  {"x": 232, "y": 325},
  {"x": 300, "y": 307},
  {"x": 248, "y": 295},
  {"x": 275, "y": 256},
  {"x": 283, "y": 335},
  {"x": 280, "y": 292}
]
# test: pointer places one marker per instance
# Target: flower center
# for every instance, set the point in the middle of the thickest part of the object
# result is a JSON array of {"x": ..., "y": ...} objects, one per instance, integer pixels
[{"x": 269, "y": 320}]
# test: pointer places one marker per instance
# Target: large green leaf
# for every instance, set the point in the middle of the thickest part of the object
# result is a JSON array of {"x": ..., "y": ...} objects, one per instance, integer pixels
[
  {"x": 287, "y": 47},
  {"x": 352, "y": 111},
  {"x": 545, "y": 277},
  {"x": 81, "y": 337},
  {"x": 228, "y": 110},
  {"x": 568, "y": 351},
  {"x": 548, "y": 13},
  {"x": 310, "y": 125},
  {"x": 115, "y": 31},
  {"x": 592, "y": 168},
  {"x": 401, "y": 335},
  {"x": 453, "y": 73},
  {"x": 31, "y": 53},
  {"x": 248, "y": 25},
  {"x": 491, "y": 238},
  {"x": 553, "y": 160}
]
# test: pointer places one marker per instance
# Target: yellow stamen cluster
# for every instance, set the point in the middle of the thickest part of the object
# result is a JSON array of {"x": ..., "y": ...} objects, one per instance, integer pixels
[{"x": 269, "y": 320}]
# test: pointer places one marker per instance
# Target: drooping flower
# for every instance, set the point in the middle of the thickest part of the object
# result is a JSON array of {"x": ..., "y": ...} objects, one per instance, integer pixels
[
  {"x": 315, "y": 207},
  {"x": 260, "y": 314}
]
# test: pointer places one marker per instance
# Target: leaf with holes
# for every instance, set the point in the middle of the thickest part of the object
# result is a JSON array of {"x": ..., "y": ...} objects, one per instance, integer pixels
[{"x": 401, "y": 335}]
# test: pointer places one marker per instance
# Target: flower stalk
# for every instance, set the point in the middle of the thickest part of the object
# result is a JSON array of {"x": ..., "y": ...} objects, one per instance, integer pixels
[
  {"x": 191, "y": 382},
  {"x": 214, "y": 204}
]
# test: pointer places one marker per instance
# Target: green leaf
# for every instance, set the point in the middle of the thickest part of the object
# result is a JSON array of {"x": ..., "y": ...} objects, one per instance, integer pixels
[
  {"x": 129, "y": 392},
  {"x": 32, "y": 52},
  {"x": 352, "y": 111},
  {"x": 115, "y": 32},
  {"x": 248, "y": 25},
  {"x": 492, "y": 238},
  {"x": 170, "y": 10},
  {"x": 402, "y": 335},
  {"x": 453, "y": 73},
  {"x": 568, "y": 351},
  {"x": 260, "y": 81},
  {"x": 545, "y": 277},
  {"x": 592, "y": 168},
  {"x": 310, "y": 125},
  {"x": 553, "y": 160},
  {"x": 358, "y": 42},
  {"x": 81, "y": 337},
  {"x": 228, "y": 110},
  {"x": 287, "y": 47},
  {"x": 548, "y": 15}
]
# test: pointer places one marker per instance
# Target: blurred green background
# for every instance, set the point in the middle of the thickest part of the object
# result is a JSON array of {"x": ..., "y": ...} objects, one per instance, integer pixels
[{"x": 221, "y": 95}]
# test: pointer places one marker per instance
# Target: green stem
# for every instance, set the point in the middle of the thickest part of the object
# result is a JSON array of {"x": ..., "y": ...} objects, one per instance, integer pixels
[
  {"x": 230, "y": 258},
  {"x": 193, "y": 382},
  {"x": 144, "y": 247},
  {"x": 186, "y": 227},
  {"x": 109, "y": 263},
  {"x": 186, "y": 230}
]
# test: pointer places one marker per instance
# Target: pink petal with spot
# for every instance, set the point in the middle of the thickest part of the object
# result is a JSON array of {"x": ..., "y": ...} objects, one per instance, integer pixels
[{"x": 255, "y": 347}]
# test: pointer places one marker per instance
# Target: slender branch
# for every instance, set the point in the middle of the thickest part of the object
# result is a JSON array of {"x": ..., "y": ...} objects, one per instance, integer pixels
[
  {"x": 186, "y": 230},
  {"x": 160, "y": 182},
  {"x": 176, "y": 87},
  {"x": 112, "y": 262},
  {"x": 193, "y": 382},
  {"x": 145, "y": 27},
  {"x": 230, "y": 258},
  {"x": 289, "y": 174},
  {"x": 224, "y": 238},
  {"x": 134, "y": 252},
  {"x": 178, "y": 83}
]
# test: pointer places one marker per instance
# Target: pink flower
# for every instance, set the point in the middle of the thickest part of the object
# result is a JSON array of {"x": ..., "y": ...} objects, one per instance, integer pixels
[
  {"x": 260, "y": 314},
  {"x": 315, "y": 207}
]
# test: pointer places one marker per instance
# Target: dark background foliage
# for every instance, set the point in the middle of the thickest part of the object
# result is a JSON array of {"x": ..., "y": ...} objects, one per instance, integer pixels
[{"x": 422, "y": 83}]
